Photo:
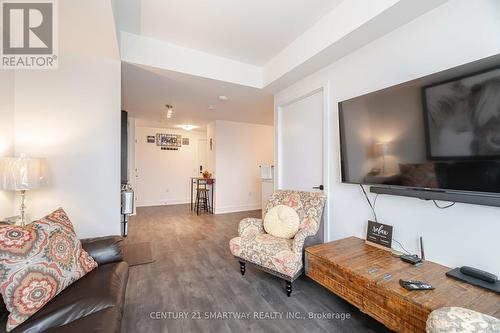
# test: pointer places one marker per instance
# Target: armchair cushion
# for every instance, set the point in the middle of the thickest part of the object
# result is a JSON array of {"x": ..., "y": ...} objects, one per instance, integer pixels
[
  {"x": 268, "y": 251},
  {"x": 454, "y": 319},
  {"x": 282, "y": 221}
]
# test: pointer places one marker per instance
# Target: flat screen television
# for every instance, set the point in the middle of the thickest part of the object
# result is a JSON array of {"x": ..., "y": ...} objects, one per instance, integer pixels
[{"x": 439, "y": 133}]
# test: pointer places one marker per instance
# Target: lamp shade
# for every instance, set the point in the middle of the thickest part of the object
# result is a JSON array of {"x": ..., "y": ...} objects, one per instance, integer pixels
[
  {"x": 21, "y": 173},
  {"x": 380, "y": 148}
]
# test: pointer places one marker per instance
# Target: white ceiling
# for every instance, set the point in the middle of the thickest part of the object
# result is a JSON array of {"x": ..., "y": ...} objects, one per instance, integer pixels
[
  {"x": 146, "y": 91},
  {"x": 183, "y": 52},
  {"x": 250, "y": 31}
]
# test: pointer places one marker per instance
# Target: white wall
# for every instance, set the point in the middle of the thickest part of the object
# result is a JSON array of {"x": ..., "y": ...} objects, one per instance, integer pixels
[
  {"x": 239, "y": 150},
  {"x": 455, "y": 33},
  {"x": 6, "y": 133},
  {"x": 211, "y": 150},
  {"x": 164, "y": 175},
  {"x": 71, "y": 116}
]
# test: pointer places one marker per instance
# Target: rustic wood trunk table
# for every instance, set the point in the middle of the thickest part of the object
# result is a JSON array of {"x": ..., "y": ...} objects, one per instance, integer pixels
[{"x": 368, "y": 278}]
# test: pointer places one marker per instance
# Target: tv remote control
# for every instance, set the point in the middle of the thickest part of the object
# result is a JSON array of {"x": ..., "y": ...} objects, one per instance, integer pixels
[
  {"x": 415, "y": 285},
  {"x": 479, "y": 274}
]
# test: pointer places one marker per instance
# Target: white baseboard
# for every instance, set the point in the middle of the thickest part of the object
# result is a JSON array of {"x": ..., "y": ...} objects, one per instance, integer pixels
[
  {"x": 235, "y": 209},
  {"x": 151, "y": 203}
]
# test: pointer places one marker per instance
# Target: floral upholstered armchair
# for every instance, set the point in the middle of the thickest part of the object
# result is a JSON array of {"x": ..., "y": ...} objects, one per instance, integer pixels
[
  {"x": 279, "y": 256},
  {"x": 454, "y": 319}
]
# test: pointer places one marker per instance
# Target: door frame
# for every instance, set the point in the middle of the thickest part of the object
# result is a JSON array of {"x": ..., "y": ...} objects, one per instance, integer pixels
[{"x": 324, "y": 88}]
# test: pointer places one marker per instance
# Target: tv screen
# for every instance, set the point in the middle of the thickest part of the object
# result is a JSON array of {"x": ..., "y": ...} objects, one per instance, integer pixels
[{"x": 440, "y": 132}]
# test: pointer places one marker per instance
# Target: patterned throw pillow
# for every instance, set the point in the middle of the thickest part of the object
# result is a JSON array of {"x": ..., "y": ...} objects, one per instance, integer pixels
[{"x": 37, "y": 262}]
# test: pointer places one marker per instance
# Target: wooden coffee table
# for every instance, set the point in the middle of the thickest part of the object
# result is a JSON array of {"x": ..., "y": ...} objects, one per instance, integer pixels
[{"x": 368, "y": 278}]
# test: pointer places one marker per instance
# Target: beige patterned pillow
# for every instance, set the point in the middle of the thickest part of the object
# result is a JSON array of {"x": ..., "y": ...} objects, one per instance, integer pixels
[
  {"x": 282, "y": 221},
  {"x": 37, "y": 262}
]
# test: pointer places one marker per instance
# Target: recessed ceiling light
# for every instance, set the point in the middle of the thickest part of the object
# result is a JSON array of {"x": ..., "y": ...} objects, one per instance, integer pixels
[
  {"x": 211, "y": 107},
  {"x": 187, "y": 127},
  {"x": 223, "y": 98}
]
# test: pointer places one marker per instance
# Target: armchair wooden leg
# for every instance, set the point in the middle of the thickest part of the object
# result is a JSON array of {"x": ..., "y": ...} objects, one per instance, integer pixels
[
  {"x": 242, "y": 267},
  {"x": 288, "y": 288}
]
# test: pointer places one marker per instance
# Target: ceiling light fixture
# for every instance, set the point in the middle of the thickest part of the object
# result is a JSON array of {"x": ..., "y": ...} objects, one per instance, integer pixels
[
  {"x": 187, "y": 127},
  {"x": 211, "y": 107},
  {"x": 223, "y": 98}
]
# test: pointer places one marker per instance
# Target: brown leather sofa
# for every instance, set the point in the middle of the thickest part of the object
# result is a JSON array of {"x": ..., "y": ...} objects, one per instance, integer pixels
[{"x": 92, "y": 304}]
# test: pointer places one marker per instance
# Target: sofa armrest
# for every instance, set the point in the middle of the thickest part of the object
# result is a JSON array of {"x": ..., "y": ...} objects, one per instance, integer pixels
[
  {"x": 250, "y": 227},
  {"x": 104, "y": 250}
]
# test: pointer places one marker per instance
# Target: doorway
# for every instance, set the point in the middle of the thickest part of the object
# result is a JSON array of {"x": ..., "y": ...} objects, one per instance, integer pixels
[{"x": 302, "y": 146}]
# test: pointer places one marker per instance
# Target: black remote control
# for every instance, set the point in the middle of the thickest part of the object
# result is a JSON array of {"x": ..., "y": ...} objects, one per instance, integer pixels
[
  {"x": 479, "y": 274},
  {"x": 415, "y": 285}
]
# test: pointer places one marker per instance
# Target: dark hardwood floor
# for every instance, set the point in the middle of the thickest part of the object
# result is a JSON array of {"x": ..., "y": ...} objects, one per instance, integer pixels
[{"x": 195, "y": 273}]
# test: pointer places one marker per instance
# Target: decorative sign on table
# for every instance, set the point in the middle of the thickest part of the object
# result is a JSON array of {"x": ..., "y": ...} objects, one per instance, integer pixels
[{"x": 379, "y": 235}]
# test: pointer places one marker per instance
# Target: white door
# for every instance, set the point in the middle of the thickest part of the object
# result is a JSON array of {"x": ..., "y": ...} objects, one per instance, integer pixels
[
  {"x": 300, "y": 149},
  {"x": 300, "y": 144}
]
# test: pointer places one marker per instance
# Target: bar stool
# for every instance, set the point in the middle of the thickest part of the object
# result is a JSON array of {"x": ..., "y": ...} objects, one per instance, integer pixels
[{"x": 202, "y": 200}]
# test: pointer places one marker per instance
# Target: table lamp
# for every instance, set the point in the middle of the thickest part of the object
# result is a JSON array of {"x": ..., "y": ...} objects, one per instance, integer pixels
[
  {"x": 381, "y": 149},
  {"x": 21, "y": 174}
]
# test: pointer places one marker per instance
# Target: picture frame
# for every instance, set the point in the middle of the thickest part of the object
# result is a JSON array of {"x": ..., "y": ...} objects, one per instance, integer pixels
[
  {"x": 150, "y": 139},
  {"x": 449, "y": 102},
  {"x": 168, "y": 140}
]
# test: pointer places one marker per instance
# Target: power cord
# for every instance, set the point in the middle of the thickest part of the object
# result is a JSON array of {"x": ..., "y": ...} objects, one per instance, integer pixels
[
  {"x": 372, "y": 206},
  {"x": 370, "y": 203},
  {"x": 401, "y": 246},
  {"x": 443, "y": 207}
]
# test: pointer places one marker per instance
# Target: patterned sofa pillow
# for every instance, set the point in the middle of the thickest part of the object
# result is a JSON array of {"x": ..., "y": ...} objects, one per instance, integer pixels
[{"x": 37, "y": 262}]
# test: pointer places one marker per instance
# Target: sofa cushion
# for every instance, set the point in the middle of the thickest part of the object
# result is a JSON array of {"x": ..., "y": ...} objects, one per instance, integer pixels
[
  {"x": 98, "y": 292},
  {"x": 37, "y": 262},
  {"x": 282, "y": 221},
  {"x": 105, "y": 321}
]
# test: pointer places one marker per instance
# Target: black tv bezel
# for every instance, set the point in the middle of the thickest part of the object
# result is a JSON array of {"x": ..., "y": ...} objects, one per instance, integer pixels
[{"x": 453, "y": 195}]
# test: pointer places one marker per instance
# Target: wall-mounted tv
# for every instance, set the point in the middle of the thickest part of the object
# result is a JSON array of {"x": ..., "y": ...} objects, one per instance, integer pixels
[{"x": 439, "y": 133}]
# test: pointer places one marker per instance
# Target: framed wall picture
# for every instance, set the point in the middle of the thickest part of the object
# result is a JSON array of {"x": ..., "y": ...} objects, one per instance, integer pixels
[
  {"x": 185, "y": 141},
  {"x": 151, "y": 139},
  {"x": 462, "y": 117},
  {"x": 168, "y": 140}
]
